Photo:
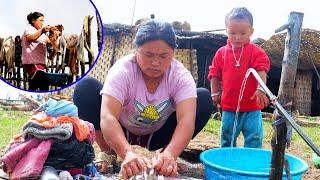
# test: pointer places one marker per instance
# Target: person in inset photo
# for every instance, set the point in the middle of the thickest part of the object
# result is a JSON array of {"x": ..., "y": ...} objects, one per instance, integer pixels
[
  {"x": 34, "y": 43},
  {"x": 44, "y": 51}
]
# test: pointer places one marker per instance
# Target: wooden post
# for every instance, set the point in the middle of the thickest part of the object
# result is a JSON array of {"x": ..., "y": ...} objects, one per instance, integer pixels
[
  {"x": 87, "y": 35},
  {"x": 286, "y": 89},
  {"x": 99, "y": 31}
]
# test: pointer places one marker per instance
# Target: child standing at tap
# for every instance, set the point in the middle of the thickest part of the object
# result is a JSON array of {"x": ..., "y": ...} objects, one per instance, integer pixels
[{"x": 226, "y": 74}]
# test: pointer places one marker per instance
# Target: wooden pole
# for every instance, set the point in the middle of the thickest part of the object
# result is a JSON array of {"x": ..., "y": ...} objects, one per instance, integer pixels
[
  {"x": 99, "y": 31},
  {"x": 286, "y": 89},
  {"x": 87, "y": 35}
]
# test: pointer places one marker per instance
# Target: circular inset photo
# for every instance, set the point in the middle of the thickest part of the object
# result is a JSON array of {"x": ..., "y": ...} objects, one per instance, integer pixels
[{"x": 48, "y": 45}]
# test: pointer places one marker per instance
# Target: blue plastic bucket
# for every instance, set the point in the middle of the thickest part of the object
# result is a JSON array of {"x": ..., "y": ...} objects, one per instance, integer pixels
[{"x": 245, "y": 163}]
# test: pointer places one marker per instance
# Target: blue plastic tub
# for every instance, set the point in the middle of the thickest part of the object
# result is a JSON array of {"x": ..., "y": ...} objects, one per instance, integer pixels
[{"x": 245, "y": 163}]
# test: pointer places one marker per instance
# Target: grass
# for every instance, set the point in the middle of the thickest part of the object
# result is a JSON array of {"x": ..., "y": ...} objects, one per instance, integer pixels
[
  {"x": 11, "y": 123},
  {"x": 312, "y": 118},
  {"x": 312, "y": 132}
]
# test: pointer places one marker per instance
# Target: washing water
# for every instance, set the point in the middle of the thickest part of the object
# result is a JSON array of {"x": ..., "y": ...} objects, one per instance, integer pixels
[{"x": 235, "y": 123}]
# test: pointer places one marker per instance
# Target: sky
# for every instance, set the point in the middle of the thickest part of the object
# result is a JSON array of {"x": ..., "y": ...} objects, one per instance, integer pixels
[
  {"x": 69, "y": 13},
  {"x": 203, "y": 15}
]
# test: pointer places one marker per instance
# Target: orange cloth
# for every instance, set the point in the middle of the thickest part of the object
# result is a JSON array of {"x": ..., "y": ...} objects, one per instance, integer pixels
[{"x": 81, "y": 129}]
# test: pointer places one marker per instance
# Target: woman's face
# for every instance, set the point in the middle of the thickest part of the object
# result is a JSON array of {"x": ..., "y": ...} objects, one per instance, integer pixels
[
  {"x": 38, "y": 23},
  {"x": 154, "y": 58}
]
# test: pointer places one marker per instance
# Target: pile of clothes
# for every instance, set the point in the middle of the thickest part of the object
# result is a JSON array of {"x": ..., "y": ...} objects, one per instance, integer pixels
[{"x": 54, "y": 142}]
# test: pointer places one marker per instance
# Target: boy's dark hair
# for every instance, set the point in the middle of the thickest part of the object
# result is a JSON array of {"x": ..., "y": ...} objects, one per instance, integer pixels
[
  {"x": 33, "y": 16},
  {"x": 151, "y": 30},
  {"x": 239, "y": 13}
]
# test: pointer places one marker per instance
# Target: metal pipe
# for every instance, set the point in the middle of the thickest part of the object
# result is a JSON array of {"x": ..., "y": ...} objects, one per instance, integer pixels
[{"x": 282, "y": 111}]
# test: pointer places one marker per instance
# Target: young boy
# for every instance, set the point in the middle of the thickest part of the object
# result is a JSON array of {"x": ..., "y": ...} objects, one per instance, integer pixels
[{"x": 226, "y": 74}]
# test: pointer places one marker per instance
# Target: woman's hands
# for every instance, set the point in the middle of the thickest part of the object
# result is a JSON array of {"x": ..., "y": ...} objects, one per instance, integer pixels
[
  {"x": 33, "y": 37},
  {"x": 45, "y": 29},
  {"x": 133, "y": 164},
  {"x": 165, "y": 164}
]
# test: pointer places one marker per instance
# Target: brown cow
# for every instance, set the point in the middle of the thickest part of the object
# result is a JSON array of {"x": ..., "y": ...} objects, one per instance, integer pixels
[{"x": 54, "y": 33}]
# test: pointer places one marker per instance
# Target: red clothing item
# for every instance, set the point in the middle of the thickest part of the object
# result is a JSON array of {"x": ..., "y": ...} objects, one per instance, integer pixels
[
  {"x": 223, "y": 67},
  {"x": 31, "y": 69}
]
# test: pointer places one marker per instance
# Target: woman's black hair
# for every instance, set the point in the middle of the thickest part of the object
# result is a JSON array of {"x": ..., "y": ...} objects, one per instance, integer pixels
[
  {"x": 33, "y": 16},
  {"x": 152, "y": 30}
]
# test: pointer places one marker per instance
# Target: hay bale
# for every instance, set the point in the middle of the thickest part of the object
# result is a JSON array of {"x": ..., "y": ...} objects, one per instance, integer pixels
[{"x": 310, "y": 43}]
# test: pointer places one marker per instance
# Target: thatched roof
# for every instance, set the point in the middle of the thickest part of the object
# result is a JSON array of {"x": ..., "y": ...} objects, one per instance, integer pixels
[
  {"x": 309, "y": 49},
  {"x": 201, "y": 40},
  {"x": 258, "y": 41},
  {"x": 185, "y": 39},
  {"x": 117, "y": 28}
]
